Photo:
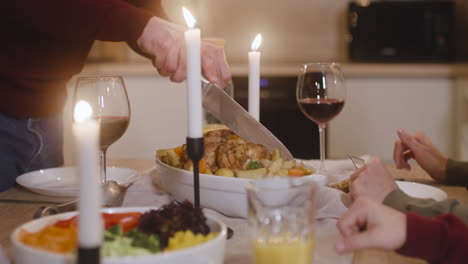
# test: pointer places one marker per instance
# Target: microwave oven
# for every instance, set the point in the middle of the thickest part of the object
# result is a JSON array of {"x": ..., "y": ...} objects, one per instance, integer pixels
[{"x": 401, "y": 31}]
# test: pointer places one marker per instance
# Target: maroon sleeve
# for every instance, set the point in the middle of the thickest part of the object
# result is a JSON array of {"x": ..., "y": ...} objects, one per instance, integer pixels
[
  {"x": 443, "y": 239},
  {"x": 153, "y": 6},
  {"x": 112, "y": 20}
]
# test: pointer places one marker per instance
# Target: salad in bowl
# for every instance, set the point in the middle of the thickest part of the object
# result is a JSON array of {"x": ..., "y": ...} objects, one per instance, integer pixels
[{"x": 175, "y": 233}]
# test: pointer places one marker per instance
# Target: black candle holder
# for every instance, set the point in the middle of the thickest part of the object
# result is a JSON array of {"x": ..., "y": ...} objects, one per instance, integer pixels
[
  {"x": 89, "y": 255},
  {"x": 195, "y": 151}
]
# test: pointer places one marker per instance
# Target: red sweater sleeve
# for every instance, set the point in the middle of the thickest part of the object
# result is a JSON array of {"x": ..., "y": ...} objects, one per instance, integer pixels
[
  {"x": 443, "y": 239},
  {"x": 112, "y": 20}
]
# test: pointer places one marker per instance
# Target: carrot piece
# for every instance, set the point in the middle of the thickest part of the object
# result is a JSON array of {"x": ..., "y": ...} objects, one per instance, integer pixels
[
  {"x": 295, "y": 172},
  {"x": 179, "y": 151},
  {"x": 202, "y": 165}
]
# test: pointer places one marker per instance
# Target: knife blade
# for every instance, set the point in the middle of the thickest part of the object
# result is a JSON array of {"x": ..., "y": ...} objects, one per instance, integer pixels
[{"x": 224, "y": 108}]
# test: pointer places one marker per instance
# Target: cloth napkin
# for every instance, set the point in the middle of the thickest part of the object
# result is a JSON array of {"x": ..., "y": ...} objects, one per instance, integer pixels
[
  {"x": 331, "y": 204},
  {"x": 339, "y": 169}
]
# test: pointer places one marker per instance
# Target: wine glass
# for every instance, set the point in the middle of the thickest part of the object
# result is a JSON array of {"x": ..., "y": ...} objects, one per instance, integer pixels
[
  {"x": 321, "y": 94},
  {"x": 109, "y": 100}
]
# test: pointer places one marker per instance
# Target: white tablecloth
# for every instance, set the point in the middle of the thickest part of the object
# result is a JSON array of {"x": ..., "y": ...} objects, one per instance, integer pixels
[
  {"x": 3, "y": 257},
  {"x": 147, "y": 191}
]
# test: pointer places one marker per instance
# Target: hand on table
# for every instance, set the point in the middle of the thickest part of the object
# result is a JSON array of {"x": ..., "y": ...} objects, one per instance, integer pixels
[
  {"x": 419, "y": 147},
  {"x": 165, "y": 42},
  {"x": 368, "y": 224},
  {"x": 373, "y": 181}
]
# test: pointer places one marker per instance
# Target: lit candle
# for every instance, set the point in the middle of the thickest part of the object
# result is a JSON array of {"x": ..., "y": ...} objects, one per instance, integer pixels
[
  {"x": 86, "y": 134},
  {"x": 254, "y": 78},
  {"x": 194, "y": 94}
]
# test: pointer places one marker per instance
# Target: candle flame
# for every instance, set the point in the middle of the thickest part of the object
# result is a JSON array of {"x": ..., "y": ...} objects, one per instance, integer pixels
[
  {"x": 257, "y": 41},
  {"x": 83, "y": 111},
  {"x": 189, "y": 19}
]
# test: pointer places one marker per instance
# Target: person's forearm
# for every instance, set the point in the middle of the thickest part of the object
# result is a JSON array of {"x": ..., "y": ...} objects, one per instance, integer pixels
[
  {"x": 397, "y": 199},
  {"x": 153, "y": 6},
  {"x": 114, "y": 20},
  {"x": 439, "y": 240}
]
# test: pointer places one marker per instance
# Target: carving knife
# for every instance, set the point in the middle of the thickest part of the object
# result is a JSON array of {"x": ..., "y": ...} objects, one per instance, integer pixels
[{"x": 224, "y": 108}]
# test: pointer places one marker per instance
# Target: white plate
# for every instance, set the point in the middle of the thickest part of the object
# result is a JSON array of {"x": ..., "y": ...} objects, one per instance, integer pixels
[
  {"x": 63, "y": 181},
  {"x": 211, "y": 251},
  {"x": 419, "y": 190}
]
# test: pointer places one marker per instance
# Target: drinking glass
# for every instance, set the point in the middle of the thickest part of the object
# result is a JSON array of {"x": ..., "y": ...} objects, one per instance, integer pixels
[
  {"x": 321, "y": 94},
  {"x": 109, "y": 100},
  {"x": 281, "y": 220}
]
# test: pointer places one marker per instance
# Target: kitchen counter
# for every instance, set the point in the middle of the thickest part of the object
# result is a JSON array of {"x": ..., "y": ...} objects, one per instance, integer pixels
[{"x": 357, "y": 70}]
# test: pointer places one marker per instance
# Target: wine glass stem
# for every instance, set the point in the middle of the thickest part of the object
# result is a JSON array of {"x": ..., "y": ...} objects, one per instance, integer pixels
[
  {"x": 322, "y": 147},
  {"x": 103, "y": 165}
]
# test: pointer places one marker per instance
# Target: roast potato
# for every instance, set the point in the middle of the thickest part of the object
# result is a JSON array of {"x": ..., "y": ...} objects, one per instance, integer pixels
[
  {"x": 251, "y": 174},
  {"x": 225, "y": 172}
]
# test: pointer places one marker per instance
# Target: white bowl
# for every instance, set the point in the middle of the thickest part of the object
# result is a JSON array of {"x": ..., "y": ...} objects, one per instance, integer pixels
[
  {"x": 225, "y": 195},
  {"x": 211, "y": 251}
]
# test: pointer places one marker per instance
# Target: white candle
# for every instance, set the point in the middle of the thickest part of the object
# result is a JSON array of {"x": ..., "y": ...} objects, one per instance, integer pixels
[
  {"x": 254, "y": 78},
  {"x": 86, "y": 134},
  {"x": 194, "y": 94}
]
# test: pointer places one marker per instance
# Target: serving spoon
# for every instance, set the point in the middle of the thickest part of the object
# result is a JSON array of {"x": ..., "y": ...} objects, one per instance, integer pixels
[{"x": 113, "y": 194}]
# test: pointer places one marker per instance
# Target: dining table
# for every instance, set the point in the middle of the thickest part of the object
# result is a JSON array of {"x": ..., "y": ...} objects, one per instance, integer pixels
[{"x": 14, "y": 213}]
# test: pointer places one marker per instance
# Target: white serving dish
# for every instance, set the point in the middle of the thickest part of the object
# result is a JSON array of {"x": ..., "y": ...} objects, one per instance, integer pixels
[
  {"x": 211, "y": 251},
  {"x": 63, "y": 181},
  {"x": 225, "y": 195}
]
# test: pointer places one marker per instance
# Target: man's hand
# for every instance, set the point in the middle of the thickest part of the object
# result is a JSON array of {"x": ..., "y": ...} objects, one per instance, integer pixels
[
  {"x": 368, "y": 224},
  {"x": 373, "y": 181},
  {"x": 420, "y": 148},
  {"x": 165, "y": 43}
]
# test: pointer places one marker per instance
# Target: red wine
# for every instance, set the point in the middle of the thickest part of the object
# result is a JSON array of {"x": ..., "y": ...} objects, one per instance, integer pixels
[
  {"x": 112, "y": 128},
  {"x": 321, "y": 110}
]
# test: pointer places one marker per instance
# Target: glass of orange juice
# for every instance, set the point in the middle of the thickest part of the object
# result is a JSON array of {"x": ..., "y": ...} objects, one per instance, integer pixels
[{"x": 281, "y": 220}]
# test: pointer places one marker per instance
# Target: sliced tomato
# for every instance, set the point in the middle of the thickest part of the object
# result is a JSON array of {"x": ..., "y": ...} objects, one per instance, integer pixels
[
  {"x": 73, "y": 221},
  {"x": 127, "y": 220}
]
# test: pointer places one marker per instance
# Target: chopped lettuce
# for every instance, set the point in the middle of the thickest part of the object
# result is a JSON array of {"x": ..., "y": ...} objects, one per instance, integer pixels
[
  {"x": 122, "y": 246},
  {"x": 140, "y": 239},
  {"x": 133, "y": 243},
  {"x": 113, "y": 232}
]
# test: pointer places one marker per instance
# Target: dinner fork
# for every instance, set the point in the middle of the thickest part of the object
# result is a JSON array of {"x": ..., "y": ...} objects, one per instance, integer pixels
[{"x": 359, "y": 163}]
